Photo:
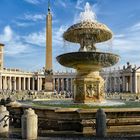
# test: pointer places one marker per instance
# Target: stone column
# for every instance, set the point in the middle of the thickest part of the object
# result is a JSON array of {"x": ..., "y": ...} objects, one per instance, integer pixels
[
  {"x": 120, "y": 82},
  {"x": 19, "y": 83},
  {"x": 136, "y": 83},
  {"x": 33, "y": 84},
  {"x": 28, "y": 83},
  {"x": 15, "y": 83},
  {"x": 38, "y": 84},
  {"x": 62, "y": 81},
  {"x": 67, "y": 83},
  {"x": 71, "y": 85},
  {"x": 23, "y": 83},
  {"x": 110, "y": 83},
  {"x": 54, "y": 85},
  {"x": 131, "y": 89},
  {"x": 114, "y": 86},
  {"x": 126, "y": 84},
  {"x": 124, "y": 88},
  {"x": 29, "y": 124},
  {"x": 5, "y": 82},
  {"x": 58, "y": 84},
  {"x": 9, "y": 83}
]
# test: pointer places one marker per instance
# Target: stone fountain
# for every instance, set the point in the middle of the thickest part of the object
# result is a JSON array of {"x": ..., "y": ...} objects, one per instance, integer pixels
[{"x": 88, "y": 61}]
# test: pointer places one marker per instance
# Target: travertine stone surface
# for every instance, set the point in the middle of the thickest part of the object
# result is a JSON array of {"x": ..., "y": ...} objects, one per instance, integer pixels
[
  {"x": 89, "y": 87},
  {"x": 29, "y": 124}
]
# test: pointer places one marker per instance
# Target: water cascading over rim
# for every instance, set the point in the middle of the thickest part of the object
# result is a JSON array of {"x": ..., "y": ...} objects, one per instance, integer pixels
[{"x": 88, "y": 85}]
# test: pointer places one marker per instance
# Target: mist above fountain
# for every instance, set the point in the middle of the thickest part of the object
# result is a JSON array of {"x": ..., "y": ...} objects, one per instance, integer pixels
[{"x": 88, "y": 85}]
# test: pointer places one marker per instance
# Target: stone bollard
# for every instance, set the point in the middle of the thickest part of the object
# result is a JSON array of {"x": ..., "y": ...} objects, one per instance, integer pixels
[
  {"x": 29, "y": 124},
  {"x": 4, "y": 120},
  {"x": 100, "y": 123}
]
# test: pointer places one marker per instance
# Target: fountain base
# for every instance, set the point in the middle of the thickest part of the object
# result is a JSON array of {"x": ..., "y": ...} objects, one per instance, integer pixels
[{"x": 88, "y": 87}]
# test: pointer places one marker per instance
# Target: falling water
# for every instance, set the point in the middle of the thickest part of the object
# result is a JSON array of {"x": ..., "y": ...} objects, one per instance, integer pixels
[{"x": 88, "y": 14}]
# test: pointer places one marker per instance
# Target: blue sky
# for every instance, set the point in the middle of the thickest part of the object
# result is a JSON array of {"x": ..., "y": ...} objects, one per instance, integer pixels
[{"x": 22, "y": 29}]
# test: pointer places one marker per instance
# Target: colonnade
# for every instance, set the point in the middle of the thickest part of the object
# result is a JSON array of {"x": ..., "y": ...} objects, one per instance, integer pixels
[
  {"x": 21, "y": 83},
  {"x": 128, "y": 85},
  {"x": 113, "y": 84},
  {"x": 63, "y": 84},
  {"x": 120, "y": 82},
  {"x": 32, "y": 83},
  {"x": 124, "y": 83}
]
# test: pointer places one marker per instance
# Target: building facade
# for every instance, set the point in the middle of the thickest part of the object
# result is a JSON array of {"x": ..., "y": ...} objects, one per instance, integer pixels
[
  {"x": 126, "y": 80},
  {"x": 18, "y": 80}
]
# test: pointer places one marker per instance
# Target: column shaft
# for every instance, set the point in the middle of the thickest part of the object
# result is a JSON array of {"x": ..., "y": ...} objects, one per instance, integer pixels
[
  {"x": 40, "y": 84},
  {"x": 19, "y": 83},
  {"x": 15, "y": 81},
  {"x": 58, "y": 84},
  {"x": 29, "y": 83},
  {"x": 23, "y": 83},
  {"x": 135, "y": 83},
  {"x": 5, "y": 82},
  {"x": 10, "y": 86},
  {"x": 124, "y": 87},
  {"x": 38, "y": 79},
  {"x": 33, "y": 84}
]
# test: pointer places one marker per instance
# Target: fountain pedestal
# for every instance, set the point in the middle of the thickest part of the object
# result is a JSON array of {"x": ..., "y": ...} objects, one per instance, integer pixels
[{"x": 88, "y": 87}]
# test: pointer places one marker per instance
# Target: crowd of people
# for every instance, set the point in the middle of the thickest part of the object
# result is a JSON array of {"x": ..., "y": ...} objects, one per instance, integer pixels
[{"x": 25, "y": 95}]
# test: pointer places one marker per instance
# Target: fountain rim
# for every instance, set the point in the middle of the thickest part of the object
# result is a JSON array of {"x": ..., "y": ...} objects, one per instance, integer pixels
[
  {"x": 99, "y": 52},
  {"x": 89, "y": 66}
]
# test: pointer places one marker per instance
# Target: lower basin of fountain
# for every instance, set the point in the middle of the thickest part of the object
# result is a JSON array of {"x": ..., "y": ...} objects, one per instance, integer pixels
[
  {"x": 88, "y": 60},
  {"x": 69, "y": 103},
  {"x": 63, "y": 116}
]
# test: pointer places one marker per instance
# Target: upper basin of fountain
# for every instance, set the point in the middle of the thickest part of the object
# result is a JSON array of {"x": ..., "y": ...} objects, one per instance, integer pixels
[
  {"x": 88, "y": 30},
  {"x": 88, "y": 60},
  {"x": 97, "y": 32}
]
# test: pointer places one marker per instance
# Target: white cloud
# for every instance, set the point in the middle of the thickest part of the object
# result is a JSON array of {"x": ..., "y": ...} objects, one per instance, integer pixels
[
  {"x": 58, "y": 35},
  {"x": 23, "y": 24},
  {"x": 119, "y": 36},
  {"x": 39, "y": 38},
  {"x": 36, "y": 38},
  {"x": 33, "y": 1},
  {"x": 135, "y": 27},
  {"x": 35, "y": 17},
  {"x": 7, "y": 34},
  {"x": 13, "y": 42}
]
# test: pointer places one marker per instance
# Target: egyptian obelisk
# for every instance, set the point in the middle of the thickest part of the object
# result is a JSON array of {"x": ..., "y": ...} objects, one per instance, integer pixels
[{"x": 48, "y": 66}]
